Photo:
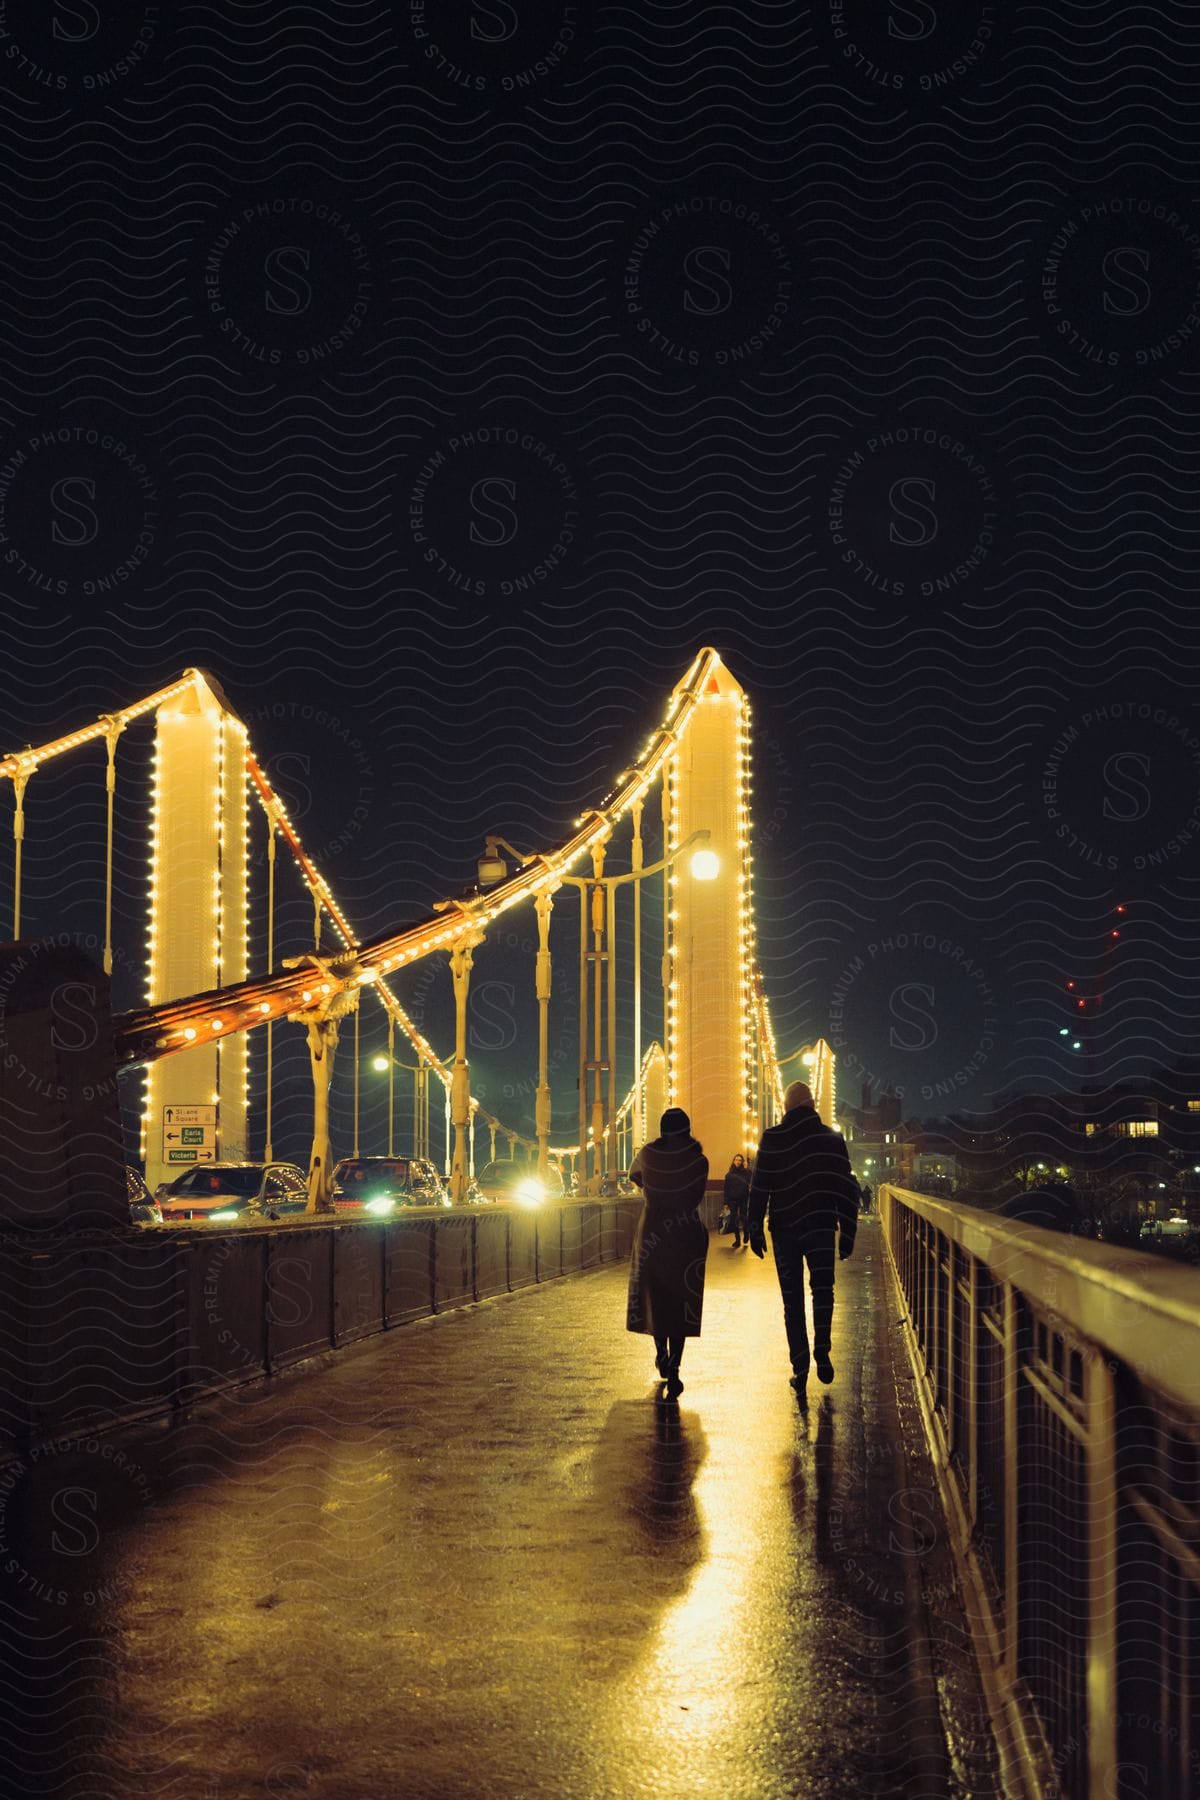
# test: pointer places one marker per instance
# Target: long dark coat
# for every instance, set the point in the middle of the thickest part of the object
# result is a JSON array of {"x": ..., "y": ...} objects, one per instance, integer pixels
[{"x": 666, "y": 1270}]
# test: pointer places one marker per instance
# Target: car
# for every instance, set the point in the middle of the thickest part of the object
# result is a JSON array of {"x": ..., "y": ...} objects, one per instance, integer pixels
[
  {"x": 377, "y": 1185},
  {"x": 1174, "y": 1227},
  {"x": 235, "y": 1193},
  {"x": 519, "y": 1184},
  {"x": 143, "y": 1207}
]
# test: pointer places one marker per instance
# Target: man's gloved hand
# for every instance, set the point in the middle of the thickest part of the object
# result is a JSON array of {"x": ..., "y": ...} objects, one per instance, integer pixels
[{"x": 756, "y": 1240}]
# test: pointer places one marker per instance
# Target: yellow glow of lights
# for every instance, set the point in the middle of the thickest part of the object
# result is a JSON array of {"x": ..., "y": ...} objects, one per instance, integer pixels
[
  {"x": 189, "y": 1032},
  {"x": 217, "y": 1024},
  {"x": 705, "y": 865}
]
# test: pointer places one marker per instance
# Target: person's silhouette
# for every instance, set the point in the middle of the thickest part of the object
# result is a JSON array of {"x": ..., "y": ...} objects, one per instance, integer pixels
[{"x": 666, "y": 1272}]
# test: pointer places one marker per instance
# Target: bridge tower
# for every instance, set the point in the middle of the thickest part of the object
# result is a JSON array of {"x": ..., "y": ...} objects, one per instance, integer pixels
[
  {"x": 711, "y": 1045},
  {"x": 198, "y": 917}
]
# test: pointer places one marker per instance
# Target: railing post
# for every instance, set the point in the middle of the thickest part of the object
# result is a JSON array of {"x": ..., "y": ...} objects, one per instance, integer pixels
[
  {"x": 949, "y": 1339},
  {"x": 384, "y": 1235},
  {"x": 333, "y": 1293},
  {"x": 1100, "y": 1403},
  {"x": 266, "y": 1301},
  {"x": 1012, "y": 1376},
  {"x": 972, "y": 1378}
]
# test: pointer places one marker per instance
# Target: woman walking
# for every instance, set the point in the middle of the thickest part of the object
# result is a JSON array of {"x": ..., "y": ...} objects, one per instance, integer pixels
[
  {"x": 666, "y": 1272},
  {"x": 737, "y": 1198}
]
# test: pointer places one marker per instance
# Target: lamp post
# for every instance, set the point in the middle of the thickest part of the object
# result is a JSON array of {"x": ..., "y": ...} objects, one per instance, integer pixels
[
  {"x": 597, "y": 909},
  {"x": 592, "y": 1071},
  {"x": 420, "y": 1073}
]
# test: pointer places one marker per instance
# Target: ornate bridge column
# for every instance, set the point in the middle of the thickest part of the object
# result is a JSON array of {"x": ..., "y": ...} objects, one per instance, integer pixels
[
  {"x": 197, "y": 931},
  {"x": 711, "y": 1055},
  {"x": 462, "y": 960},
  {"x": 544, "y": 906}
]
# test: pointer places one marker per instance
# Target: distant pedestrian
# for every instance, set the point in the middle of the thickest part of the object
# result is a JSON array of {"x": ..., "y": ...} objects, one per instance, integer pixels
[
  {"x": 864, "y": 1196},
  {"x": 670, "y": 1244},
  {"x": 803, "y": 1183},
  {"x": 737, "y": 1198}
]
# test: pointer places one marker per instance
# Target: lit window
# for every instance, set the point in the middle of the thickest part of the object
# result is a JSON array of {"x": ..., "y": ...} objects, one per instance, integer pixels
[
  {"x": 1138, "y": 1128},
  {"x": 1194, "y": 1105}
]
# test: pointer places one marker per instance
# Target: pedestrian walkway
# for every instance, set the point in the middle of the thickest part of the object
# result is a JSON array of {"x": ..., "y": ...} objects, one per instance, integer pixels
[{"x": 474, "y": 1557}]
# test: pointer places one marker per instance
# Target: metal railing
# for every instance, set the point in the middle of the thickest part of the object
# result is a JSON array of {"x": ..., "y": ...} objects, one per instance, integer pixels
[
  {"x": 1060, "y": 1385},
  {"x": 101, "y": 1328}
]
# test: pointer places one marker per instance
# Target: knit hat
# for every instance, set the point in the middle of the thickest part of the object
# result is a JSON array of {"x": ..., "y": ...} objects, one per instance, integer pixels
[{"x": 675, "y": 1122}]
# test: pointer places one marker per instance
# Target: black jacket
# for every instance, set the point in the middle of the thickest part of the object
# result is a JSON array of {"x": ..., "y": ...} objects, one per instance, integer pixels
[
  {"x": 737, "y": 1187},
  {"x": 802, "y": 1176}
]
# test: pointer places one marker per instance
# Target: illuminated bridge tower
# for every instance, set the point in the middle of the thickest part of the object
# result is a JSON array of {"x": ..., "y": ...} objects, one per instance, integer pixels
[
  {"x": 197, "y": 924},
  {"x": 712, "y": 1045}
]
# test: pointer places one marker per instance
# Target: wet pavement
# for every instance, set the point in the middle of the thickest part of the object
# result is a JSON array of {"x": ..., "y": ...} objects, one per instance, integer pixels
[{"x": 477, "y": 1557}]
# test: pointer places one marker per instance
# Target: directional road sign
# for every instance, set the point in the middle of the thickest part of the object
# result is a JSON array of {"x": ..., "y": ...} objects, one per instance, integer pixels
[
  {"x": 189, "y": 1134},
  {"x": 189, "y": 1115}
]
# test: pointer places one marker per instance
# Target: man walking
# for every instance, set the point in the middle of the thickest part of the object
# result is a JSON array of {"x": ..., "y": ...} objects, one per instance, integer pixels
[{"x": 802, "y": 1180}]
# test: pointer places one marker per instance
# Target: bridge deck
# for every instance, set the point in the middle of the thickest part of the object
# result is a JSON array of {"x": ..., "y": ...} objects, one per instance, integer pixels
[{"x": 474, "y": 1558}]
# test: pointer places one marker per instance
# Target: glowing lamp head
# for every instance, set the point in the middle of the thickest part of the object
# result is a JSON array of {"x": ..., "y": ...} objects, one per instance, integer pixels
[
  {"x": 529, "y": 1193},
  {"x": 379, "y": 1064},
  {"x": 705, "y": 865},
  {"x": 380, "y": 1205}
]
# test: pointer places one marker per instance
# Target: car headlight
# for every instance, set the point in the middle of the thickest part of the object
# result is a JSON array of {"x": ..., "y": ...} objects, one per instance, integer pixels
[
  {"x": 380, "y": 1204},
  {"x": 529, "y": 1192},
  {"x": 224, "y": 1216}
]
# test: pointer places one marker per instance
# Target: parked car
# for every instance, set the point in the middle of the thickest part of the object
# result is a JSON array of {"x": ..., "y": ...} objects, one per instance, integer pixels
[
  {"x": 235, "y": 1193},
  {"x": 519, "y": 1184},
  {"x": 379, "y": 1184},
  {"x": 1174, "y": 1227},
  {"x": 143, "y": 1207}
]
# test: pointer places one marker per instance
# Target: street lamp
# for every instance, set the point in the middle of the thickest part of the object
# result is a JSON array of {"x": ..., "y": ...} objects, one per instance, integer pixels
[
  {"x": 604, "y": 892},
  {"x": 388, "y": 1064},
  {"x": 492, "y": 867}
]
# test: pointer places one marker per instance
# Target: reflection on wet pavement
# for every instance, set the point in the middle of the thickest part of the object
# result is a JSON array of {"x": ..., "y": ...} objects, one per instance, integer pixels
[{"x": 479, "y": 1556}]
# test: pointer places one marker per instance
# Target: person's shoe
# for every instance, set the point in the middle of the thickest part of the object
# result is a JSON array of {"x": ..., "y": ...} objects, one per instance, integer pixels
[
  {"x": 824, "y": 1367},
  {"x": 674, "y": 1387},
  {"x": 736, "y": 1244}
]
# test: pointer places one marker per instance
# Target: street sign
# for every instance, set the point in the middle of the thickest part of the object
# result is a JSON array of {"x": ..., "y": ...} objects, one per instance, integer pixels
[
  {"x": 189, "y": 1134},
  {"x": 189, "y": 1115}
]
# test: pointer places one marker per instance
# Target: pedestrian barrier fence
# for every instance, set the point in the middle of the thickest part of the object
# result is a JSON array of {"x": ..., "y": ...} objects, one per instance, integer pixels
[
  {"x": 100, "y": 1327},
  {"x": 1059, "y": 1379}
]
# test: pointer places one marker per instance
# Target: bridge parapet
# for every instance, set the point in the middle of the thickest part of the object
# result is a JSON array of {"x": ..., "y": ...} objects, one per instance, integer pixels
[
  {"x": 1059, "y": 1381},
  {"x": 102, "y": 1327}
]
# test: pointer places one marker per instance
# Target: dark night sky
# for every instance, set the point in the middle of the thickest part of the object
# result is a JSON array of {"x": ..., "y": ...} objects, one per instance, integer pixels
[{"x": 859, "y": 341}]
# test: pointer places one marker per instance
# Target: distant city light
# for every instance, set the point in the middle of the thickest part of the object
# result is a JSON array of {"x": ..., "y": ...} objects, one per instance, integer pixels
[{"x": 1064, "y": 1031}]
